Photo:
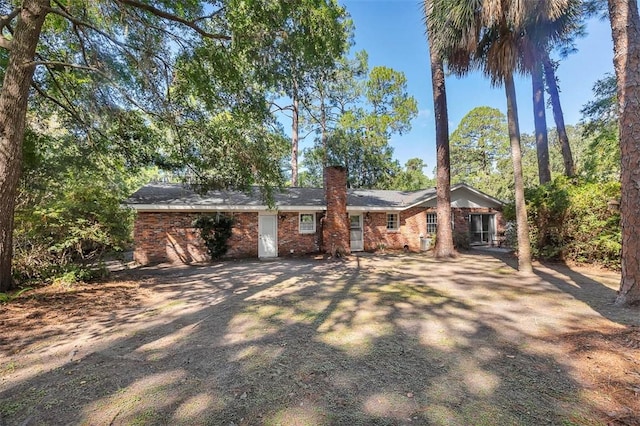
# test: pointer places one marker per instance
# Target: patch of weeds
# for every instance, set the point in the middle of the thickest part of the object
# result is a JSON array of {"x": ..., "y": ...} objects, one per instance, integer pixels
[
  {"x": 11, "y": 408},
  {"x": 8, "y": 368},
  {"x": 148, "y": 417},
  {"x": 8, "y": 297},
  {"x": 24, "y": 402}
]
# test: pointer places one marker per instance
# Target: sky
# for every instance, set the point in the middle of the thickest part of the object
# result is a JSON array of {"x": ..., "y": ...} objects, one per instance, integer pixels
[{"x": 393, "y": 34}]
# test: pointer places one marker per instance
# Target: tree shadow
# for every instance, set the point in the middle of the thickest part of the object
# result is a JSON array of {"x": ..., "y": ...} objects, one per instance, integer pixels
[
  {"x": 303, "y": 342},
  {"x": 599, "y": 296}
]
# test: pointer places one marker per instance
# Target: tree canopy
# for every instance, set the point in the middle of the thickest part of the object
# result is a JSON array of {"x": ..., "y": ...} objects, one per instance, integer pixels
[{"x": 155, "y": 82}]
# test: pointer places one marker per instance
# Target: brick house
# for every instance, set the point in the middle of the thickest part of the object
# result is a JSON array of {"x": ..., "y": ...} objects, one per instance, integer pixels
[{"x": 305, "y": 220}]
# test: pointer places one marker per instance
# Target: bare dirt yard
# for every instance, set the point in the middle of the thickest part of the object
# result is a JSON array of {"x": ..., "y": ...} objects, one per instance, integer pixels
[{"x": 371, "y": 340}]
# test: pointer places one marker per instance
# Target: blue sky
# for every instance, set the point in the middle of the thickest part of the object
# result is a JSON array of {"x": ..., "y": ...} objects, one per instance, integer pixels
[{"x": 392, "y": 32}]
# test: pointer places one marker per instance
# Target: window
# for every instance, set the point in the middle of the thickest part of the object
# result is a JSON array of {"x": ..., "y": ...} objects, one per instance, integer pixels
[
  {"x": 392, "y": 222},
  {"x": 432, "y": 223},
  {"x": 307, "y": 223}
]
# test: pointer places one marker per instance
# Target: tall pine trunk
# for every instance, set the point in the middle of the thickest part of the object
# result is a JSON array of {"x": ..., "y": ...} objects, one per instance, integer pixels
[
  {"x": 444, "y": 234},
  {"x": 524, "y": 247},
  {"x": 323, "y": 138},
  {"x": 13, "y": 110},
  {"x": 625, "y": 27},
  {"x": 558, "y": 116},
  {"x": 295, "y": 112},
  {"x": 540, "y": 123}
]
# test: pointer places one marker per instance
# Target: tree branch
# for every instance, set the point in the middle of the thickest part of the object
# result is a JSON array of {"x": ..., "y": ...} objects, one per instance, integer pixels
[
  {"x": 170, "y": 17},
  {"x": 6, "y": 19},
  {"x": 58, "y": 64},
  {"x": 5, "y": 43},
  {"x": 66, "y": 108},
  {"x": 81, "y": 23}
]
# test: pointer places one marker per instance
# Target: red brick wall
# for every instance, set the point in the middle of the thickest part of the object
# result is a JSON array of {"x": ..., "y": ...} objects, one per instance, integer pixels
[
  {"x": 413, "y": 223},
  {"x": 170, "y": 237},
  {"x": 335, "y": 232},
  {"x": 291, "y": 241}
]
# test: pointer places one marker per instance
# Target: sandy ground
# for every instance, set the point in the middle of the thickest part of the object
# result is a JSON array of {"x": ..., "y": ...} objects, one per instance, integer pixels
[{"x": 374, "y": 339}]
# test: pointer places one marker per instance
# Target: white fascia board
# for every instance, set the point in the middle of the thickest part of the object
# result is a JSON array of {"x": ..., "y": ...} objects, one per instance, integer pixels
[
  {"x": 480, "y": 194},
  {"x": 376, "y": 209},
  {"x": 419, "y": 202},
  {"x": 301, "y": 208}
]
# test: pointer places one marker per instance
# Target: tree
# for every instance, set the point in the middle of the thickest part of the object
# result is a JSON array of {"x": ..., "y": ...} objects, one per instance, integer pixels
[
  {"x": 374, "y": 109},
  {"x": 625, "y": 28},
  {"x": 540, "y": 124},
  {"x": 479, "y": 145},
  {"x": 558, "y": 115},
  {"x": 489, "y": 37},
  {"x": 543, "y": 30},
  {"x": 13, "y": 110},
  {"x": 330, "y": 94},
  {"x": 600, "y": 118},
  {"x": 412, "y": 177},
  {"x": 88, "y": 60},
  {"x": 444, "y": 231},
  {"x": 302, "y": 62}
]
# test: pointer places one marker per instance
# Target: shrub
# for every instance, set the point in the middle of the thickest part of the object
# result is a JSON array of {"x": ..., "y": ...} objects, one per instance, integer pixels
[
  {"x": 215, "y": 230},
  {"x": 572, "y": 221},
  {"x": 461, "y": 240}
]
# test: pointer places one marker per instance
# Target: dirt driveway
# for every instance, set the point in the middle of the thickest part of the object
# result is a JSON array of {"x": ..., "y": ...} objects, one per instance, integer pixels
[{"x": 373, "y": 340}]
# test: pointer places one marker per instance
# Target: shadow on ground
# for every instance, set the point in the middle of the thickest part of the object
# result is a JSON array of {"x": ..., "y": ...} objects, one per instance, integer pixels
[{"x": 374, "y": 340}]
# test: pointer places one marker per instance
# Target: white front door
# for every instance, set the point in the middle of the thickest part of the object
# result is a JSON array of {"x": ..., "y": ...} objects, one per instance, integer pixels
[
  {"x": 355, "y": 225},
  {"x": 267, "y": 235}
]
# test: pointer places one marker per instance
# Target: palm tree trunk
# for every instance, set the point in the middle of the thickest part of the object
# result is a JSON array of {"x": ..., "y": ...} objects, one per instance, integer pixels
[
  {"x": 524, "y": 248},
  {"x": 444, "y": 234},
  {"x": 625, "y": 27},
  {"x": 558, "y": 116},
  {"x": 13, "y": 110},
  {"x": 540, "y": 123}
]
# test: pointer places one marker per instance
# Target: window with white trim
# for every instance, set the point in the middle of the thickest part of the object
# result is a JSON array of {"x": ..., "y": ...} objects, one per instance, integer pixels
[
  {"x": 393, "y": 222},
  {"x": 307, "y": 223},
  {"x": 432, "y": 223}
]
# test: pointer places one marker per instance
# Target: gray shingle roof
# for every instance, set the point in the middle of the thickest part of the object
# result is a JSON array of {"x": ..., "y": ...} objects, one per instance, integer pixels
[{"x": 180, "y": 196}]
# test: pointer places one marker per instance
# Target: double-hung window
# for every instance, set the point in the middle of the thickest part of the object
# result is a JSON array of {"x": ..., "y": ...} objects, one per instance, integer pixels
[
  {"x": 393, "y": 222},
  {"x": 307, "y": 223},
  {"x": 432, "y": 223}
]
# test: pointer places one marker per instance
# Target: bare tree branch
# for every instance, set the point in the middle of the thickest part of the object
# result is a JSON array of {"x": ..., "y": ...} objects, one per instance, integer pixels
[{"x": 170, "y": 17}]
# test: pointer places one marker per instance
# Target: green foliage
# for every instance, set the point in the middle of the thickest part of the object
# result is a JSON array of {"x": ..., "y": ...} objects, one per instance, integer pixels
[
  {"x": 8, "y": 297},
  {"x": 461, "y": 240},
  {"x": 68, "y": 209},
  {"x": 480, "y": 152},
  {"x": 600, "y": 127},
  {"x": 412, "y": 177},
  {"x": 572, "y": 221},
  {"x": 215, "y": 230},
  {"x": 371, "y": 108}
]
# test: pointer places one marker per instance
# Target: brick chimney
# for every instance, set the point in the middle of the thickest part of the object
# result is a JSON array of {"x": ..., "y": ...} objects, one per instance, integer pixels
[{"x": 335, "y": 231}]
